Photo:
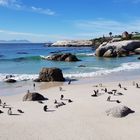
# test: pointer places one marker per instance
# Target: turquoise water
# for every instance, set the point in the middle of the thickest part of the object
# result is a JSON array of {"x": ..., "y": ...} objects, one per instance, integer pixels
[{"x": 24, "y": 61}]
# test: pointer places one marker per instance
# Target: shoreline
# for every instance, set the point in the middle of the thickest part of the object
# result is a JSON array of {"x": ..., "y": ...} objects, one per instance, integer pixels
[{"x": 23, "y": 86}]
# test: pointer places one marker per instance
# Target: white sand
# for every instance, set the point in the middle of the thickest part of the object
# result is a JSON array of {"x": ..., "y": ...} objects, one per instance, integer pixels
[{"x": 83, "y": 119}]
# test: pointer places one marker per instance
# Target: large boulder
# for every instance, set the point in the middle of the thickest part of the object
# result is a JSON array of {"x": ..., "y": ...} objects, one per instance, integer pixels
[
  {"x": 33, "y": 97},
  {"x": 110, "y": 53},
  {"x": 122, "y": 48},
  {"x": 63, "y": 57},
  {"x": 100, "y": 51},
  {"x": 137, "y": 51},
  {"x": 122, "y": 52},
  {"x": 50, "y": 74},
  {"x": 119, "y": 111}
]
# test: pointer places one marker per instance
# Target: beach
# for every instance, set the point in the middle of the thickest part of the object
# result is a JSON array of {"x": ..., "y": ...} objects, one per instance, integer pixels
[
  {"x": 84, "y": 118},
  {"x": 70, "y": 70}
]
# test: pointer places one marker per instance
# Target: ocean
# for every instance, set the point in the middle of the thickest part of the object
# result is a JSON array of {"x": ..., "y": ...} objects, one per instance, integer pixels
[{"x": 24, "y": 62}]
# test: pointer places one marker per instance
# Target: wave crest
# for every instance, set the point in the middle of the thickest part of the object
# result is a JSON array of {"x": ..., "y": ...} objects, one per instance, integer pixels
[{"x": 124, "y": 67}]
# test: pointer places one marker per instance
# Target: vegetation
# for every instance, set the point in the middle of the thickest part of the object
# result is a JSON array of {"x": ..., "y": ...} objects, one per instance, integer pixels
[
  {"x": 98, "y": 41},
  {"x": 125, "y": 36}
]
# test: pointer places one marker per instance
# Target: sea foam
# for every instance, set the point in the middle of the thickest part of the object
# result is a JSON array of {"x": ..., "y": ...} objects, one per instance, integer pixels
[
  {"x": 19, "y": 77},
  {"x": 123, "y": 67}
]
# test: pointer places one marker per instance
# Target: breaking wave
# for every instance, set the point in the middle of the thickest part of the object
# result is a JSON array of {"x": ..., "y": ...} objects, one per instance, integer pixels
[
  {"x": 123, "y": 67},
  {"x": 27, "y": 58}
]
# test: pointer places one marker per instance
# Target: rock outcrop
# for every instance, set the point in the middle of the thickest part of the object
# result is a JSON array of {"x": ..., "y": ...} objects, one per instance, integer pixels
[
  {"x": 120, "y": 48},
  {"x": 119, "y": 111},
  {"x": 50, "y": 75},
  {"x": 68, "y": 57},
  {"x": 33, "y": 97},
  {"x": 70, "y": 43}
]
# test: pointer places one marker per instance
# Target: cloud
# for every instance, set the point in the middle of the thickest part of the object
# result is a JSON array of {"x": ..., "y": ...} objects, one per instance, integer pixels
[
  {"x": 3, "y": 2},
  {"x": 15, "y": 4},
  {"x": 128, "y": 1},
  {"x": 32, "y": 36},
  {"x": 136, "y": 1},
  {"x": 21, "y": 33},
  {"x": 103, "y": 26},
  {"x": 11, "y": 4},
  {"x": 42, "y": 11}
]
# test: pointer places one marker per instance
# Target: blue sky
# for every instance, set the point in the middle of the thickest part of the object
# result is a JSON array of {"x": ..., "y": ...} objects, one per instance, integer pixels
[{"x": 51, "y": 20}]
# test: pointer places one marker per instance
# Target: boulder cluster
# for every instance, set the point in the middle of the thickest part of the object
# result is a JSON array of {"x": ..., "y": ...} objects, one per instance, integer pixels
[
  {"x": 118, "y": 49},
  {"x": 68, "y": 57}
]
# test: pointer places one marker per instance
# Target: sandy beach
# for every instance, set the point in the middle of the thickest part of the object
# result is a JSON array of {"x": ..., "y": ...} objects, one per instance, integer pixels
[{"x": 84, "y": 119}]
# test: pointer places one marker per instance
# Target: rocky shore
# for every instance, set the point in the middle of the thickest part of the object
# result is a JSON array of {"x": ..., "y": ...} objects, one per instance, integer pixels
[
  {"x": 118, "y": 49},
  {"x": 71, "y": 43}
]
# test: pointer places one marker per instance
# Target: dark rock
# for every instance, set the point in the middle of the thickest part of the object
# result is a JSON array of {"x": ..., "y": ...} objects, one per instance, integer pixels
[
  {"x": 10, "y": 80},
  {"x": 22, "y": 53},
  {"x": 138, "y": 58},
  {"x": 50, "y": 74},
  {"x": 33, "y": 97},
  {"x": 37, "y": 80},
  {"x": 100, "y": 52},
  {"x": 71, "y": 58},
  {"x": 64, "y": 57},
  {"x": 122, "y": 52},
  {"x": 1, "y": 55},
  {"x": 81, "y": 66}
]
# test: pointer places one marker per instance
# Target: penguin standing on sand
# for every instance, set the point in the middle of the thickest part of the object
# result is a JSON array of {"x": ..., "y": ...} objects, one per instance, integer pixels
[{"x": 45, "y": 108}]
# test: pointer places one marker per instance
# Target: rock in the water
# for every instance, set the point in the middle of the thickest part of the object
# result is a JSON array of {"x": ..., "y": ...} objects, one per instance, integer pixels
[
  {"x": 71, "y": 58},
  {"x": 119, "y": 111},
  {"x": 120, "y": 48},
  {"x": 100, "y": 52},
  {"x": 137, "y": 51},
  {"x": 63, "y": 57},
  {"x": 110, "y": 53},
  {"x": 50, "y": 74},
  {"x": 33, "y": 97},
  {"x": 81, "y": 66},
  {"x": 10, "y": 80},
  {"x": 122, "y": 52}
]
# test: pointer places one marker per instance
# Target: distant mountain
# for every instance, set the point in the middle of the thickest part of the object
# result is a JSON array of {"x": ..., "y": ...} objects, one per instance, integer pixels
[{"x": 14, "y": 41}]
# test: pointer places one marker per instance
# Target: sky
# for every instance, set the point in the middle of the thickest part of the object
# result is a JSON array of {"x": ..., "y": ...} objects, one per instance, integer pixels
[{"x": 52, "y": 20}]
